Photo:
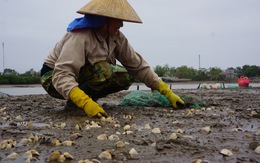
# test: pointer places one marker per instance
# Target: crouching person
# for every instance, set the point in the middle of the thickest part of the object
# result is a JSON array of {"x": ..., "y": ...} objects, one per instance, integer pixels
[{"x": 82, "y": 65}]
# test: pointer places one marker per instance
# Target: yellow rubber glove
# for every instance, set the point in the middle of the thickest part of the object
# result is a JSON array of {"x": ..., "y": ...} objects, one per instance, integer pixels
[
  {"x": 91, "y": 108},
  {"x": 164, "y": 89}
]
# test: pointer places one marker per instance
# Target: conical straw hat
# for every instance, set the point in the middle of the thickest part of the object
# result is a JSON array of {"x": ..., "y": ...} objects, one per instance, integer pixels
[{"x": 119, "y": 9}]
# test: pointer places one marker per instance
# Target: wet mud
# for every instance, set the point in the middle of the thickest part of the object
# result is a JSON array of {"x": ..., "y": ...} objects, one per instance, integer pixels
[{"x": 231, "y": 121}]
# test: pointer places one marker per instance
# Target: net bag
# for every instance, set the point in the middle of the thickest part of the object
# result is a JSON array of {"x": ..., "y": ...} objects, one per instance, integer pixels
[{"x": 156, "y": 99}]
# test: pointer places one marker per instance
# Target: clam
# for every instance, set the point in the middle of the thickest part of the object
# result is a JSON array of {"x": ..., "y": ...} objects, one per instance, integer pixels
[
  {"x": 19, "y": 118},
  {"x": 120, "y": 144},
  {"x": 94, "y": 124},
  {"x": 253, "y": 113},
  {"x": 147, "y": 126},
  {"x": 257, "y": 133},
  {"x": 34, "y": 153},
  {"x": 127, "y": 116},
  {"x": 27, "y": 154},
  {"x": 105, "y": 155},
  {"x": 206, "y": 129},
  {"x": 68, "y": 156},
  {"x": 127, "y": 132},
  {"x": 62, "y": 125},
  {"x": 173, "y": 136},
  {"x": 25, "y": 141},
  {"x": 75, "y": 136},
  {"x": 68, "y": 143},
  {"x": 55, "y": 156},
  {"x": 179, "y": 131},
  {"x": 113, "y": 137},
  {"x": 127, "y": 127},
  {"x": 13, "y": 156},
  {"x": 133, "y": 153},
  {"x": 102, "y": 137},
  {"x": 153, "y": 144},
  {"x": 156, "y": 131},
  {"x": 78, "y": 127},
  {"x": 56, "y": 142},
  {"x": 226, "y": 152},
  {"x": 257, "y": 150}
]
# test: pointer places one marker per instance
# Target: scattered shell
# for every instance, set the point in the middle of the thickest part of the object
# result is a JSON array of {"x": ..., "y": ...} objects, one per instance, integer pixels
[
  {"x": 248, "y": 135},
  {"x": 62, "y": 125},
  {"x": 113, "y": 137},
  {"x": 68, "y": 143},
  {"x": 200, "y": 161},
  {"x": 257, "y": 133},
  {"x": 25, "y": 141},
  {"x": 34, "y": 152},
  {"x": 55, "y": 156},
  {"x": 127, "y": 132},
  {"x": 153, "y": 144},
  {"x": 226, "y": 152},
  {"x": 78, "y": 127},
  {"x": 75, "y": 136},
  {"x": 118, "y": 133},
  {"x": 19, "y": 118},
  {"x": 173, "y": 136},
  {"x": 120, "y": 144},
  {"x": 156, "y": 131},
  {"x": 105, "y": 155},
  {"x": 179, "y": 130},
  {"x": 133, "y": 153},
  {"x": 237, "y": 129},
  {"x": 128, "y": 116},
  {"x": 56, "y": 142},
  {"x": 127, "y": 127},
  {"x": 253, "y": 113},
  {"x": 27, "y": 155},
  {"x": 94, "y": 125},
  {"x": 206, "y": 129},
  {"x": 147, "y": 126},
  {"x": 102, "y": 137},
  {"x": 7, "y": 144},
  {"x": 68, "y": 156},
  {"x": 13, "y": 156},
  {"x": 117, "y": 125},
  {"x": 257, "y": 150}
]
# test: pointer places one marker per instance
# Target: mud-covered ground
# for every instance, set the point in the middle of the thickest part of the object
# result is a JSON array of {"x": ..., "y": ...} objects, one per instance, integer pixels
[{"x": 232, "y": 122}]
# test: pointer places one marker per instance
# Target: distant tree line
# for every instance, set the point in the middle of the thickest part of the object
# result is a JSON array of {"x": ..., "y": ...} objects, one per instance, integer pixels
[
  {"x": 213, "y": 73},
  {"x": 10, "y": 76}
]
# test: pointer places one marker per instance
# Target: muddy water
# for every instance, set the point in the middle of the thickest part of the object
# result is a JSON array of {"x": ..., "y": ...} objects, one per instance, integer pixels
[{"x": 231, "y": 117}]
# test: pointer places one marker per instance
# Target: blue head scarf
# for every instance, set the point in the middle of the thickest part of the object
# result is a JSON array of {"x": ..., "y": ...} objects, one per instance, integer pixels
[{"x": 91, "y": 21}]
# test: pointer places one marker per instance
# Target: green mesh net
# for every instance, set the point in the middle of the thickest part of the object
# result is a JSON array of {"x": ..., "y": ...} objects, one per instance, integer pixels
[{"x": 156, "y": 99}]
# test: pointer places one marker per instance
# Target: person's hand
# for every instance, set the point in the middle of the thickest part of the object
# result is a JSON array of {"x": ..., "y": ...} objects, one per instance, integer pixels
[
  {"x": 91, "y": 108},
  {"x": 164, "y": 89}
]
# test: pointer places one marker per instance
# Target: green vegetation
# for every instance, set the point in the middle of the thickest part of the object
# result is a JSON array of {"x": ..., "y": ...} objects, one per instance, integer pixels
[
  {"x": 213, "y": 73},
  {"x": 12, "y": 77}
]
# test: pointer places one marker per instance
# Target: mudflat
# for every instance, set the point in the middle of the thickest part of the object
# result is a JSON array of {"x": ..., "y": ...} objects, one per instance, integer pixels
[{"x": 228, "y": 130}]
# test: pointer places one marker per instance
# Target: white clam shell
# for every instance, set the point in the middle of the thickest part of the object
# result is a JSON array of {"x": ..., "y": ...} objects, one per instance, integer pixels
[
  {"x": 105, "y": 155},
  {"x": 68, "y": 156},
  {"x": 13, "y": 156},
  {"x": 27, "y": 154},
  {"x": 120, "y": 144},
  {"x": 156, "y": 131},
  {"x": 226, "y": 152},
  {"x": 113, "y": 137},
  {"x": 206, "y": 129},
  {"x": 68, "y": 143},
  {"x": 179, "y": 131},
  {"x": 62, "y": 125},
  {"x": 173, "y": 136},
  {"x": 147, "y": 126},
  {"x": 127, "y": 127},
  {"x": 133, "y": 152},
  {"x": 102, "y": 137},
  {"x": 257, "y": 150}
]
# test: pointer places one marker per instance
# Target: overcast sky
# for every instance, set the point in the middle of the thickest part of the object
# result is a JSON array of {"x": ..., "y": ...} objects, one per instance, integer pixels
[{"x": 225, "y": 33}]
